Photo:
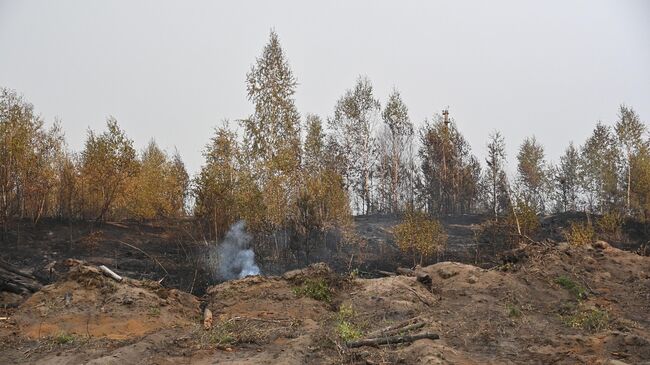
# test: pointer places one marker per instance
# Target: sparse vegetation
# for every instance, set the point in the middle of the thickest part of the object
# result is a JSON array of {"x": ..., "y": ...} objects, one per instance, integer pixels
[
  {"x": 610, "y": 224},
  {"x": 574, "y": 288},
  {"x": 294, "y": 235},
  {"x": 580, "y": 234},
  {"x": 318, "y": 289},
  {"x": 345, "y": 328},
  {"x": 221, "y": 334},
  {"x": 513, "y": 310},
  {"x": 154, "y": 311},
  {"x": 522, "y": 218},
  {"x": 64, "y": 338},
  {"x": 590, "y": 319},
  {"x": 420, "y": 235}
]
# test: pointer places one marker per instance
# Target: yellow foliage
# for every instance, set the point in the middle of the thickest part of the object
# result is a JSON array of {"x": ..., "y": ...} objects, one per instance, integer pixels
[
  {"x": 610, "y": 223},
  {"x": 580, "y": 234},
  {"x": 420, "y": 235},
  {"x": 527, "y": 218}
]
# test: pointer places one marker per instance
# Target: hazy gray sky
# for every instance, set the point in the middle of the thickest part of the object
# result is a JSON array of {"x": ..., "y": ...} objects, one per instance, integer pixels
[{"x": 173, "y": 70}]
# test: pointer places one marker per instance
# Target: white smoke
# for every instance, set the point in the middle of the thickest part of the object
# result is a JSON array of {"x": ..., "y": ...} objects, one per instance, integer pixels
[{"x": 235, "y": 259}]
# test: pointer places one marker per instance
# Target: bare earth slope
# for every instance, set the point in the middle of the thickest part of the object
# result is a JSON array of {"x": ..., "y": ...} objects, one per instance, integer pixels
[{"x": 554, "y": 304}]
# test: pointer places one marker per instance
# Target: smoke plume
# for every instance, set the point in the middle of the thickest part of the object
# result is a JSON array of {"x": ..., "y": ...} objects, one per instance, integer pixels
[{"x": 234, "y": 257}]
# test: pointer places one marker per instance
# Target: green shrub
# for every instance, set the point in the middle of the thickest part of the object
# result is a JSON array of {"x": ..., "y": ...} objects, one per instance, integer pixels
[
  {"x": 574, "y": 288},
  {"x": 316, "y": 289},
  {"x": 513, "y": 311},
  {"x": 580, "y": 234},
  {"x": 345, "y": 329},
  {"x": 64, "y": 338}
]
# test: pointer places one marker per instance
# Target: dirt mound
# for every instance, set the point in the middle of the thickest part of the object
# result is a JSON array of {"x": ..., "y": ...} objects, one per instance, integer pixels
[
  {"x": 546, "y": 304},
  {"x": 556, "y": 304},
  {"x": 87, "y": 303},
  {"x": 276, "y": 312}
]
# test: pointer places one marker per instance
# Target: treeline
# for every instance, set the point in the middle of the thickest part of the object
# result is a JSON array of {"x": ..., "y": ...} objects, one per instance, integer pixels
[
  {"x": 39, "y": 177},
  {"x": 291, "y": 177}
]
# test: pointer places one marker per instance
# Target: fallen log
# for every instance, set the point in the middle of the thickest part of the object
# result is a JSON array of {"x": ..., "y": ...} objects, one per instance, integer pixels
[
  {"x": 405, "y": 271},
  {"x": 16, "y": 281},
  {"x": 391, "y": 340},
  {"x": 385, "y": 273},
  {"x": 108, "y": 272},
  {"x": 6, "y": 266},
  {"x": 421, "y": 276}
]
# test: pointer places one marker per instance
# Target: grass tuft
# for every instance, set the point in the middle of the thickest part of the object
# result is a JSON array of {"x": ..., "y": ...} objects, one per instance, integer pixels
[
  {"x": 64, "y": 338},
  {"x": 513, "y": 311},
  {"x": 345, "y": 329},
  {"x": 574, "y": 288},
  {"x": 591, "y": 319}
]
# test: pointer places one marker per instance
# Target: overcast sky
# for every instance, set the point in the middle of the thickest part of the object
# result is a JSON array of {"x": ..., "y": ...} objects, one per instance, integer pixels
[{"x": 173, "y": 70}]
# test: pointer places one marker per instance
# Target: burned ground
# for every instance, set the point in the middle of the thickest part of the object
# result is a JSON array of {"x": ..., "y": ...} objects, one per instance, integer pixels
[{"x": 547, "y": 303}]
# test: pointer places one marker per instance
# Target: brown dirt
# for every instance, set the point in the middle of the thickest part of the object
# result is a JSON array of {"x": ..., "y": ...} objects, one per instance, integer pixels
[
  {"x": 86, "y": 303},
  {"x": 557, "y": 304}
]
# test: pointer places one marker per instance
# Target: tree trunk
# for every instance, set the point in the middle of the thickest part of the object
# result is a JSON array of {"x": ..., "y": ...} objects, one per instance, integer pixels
[{"x": 629, "y": 182}]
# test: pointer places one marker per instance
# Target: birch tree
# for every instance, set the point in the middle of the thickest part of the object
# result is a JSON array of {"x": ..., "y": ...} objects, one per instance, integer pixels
[
  {"x": 354, "y": 122},
  {"x": 599, "y": 169},
  {"x": 532, "y": 174},
  {"x": 495, "y": 175},
  {"x": 567, "y": 180},
  {"x": 107, "y": 162},
  {"x": 629, "y": 132},
  {"x": 398, "y": 135}
]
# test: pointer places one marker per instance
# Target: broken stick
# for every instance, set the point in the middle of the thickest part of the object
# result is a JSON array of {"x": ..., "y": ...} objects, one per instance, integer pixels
[
  {"x": 385, "y": 273},
  {"x": 108, "y": 272},
  {"x": 391, "y": 340},
  {"x": 394, "y": 327},
  {"x": 403, "y": 330}
]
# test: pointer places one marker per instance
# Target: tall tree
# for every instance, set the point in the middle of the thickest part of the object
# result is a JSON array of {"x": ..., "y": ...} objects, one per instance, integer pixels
[
  {"x": 398, "y": 135},
  {"x": 159, "y": 188},
  {"x": 355, "y": 117},
  {"x": 28, "y": 153},
  {"x": 532, "y": 174},
  {"x": 68, "y": 189},
  {"x": 272, "y": 134},
  {"x": 640, "y": 191},
  {"x": 214, "y": 188},
  {"x": 450, "y": 172},
  {"x": 495, "y": 175},
  {"x": 567, "y": 180},
  {"x": 629, "y": 130},
  {"x": 180, "y": 184},
  {"x": 314, "y": 147},
  {"x": 323, "y": 203},
  {"x": 599, "y": 169},
  {"x": 107, "y": 162},
  {"x": 273, "y": 131}
]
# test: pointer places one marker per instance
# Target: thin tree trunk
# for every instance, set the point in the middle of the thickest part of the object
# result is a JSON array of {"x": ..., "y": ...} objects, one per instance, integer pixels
[{"x": 629, "y": 182}]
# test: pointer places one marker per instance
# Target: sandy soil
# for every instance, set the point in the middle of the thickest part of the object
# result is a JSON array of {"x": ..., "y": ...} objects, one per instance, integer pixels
[{"x": 551, "y": 303}]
